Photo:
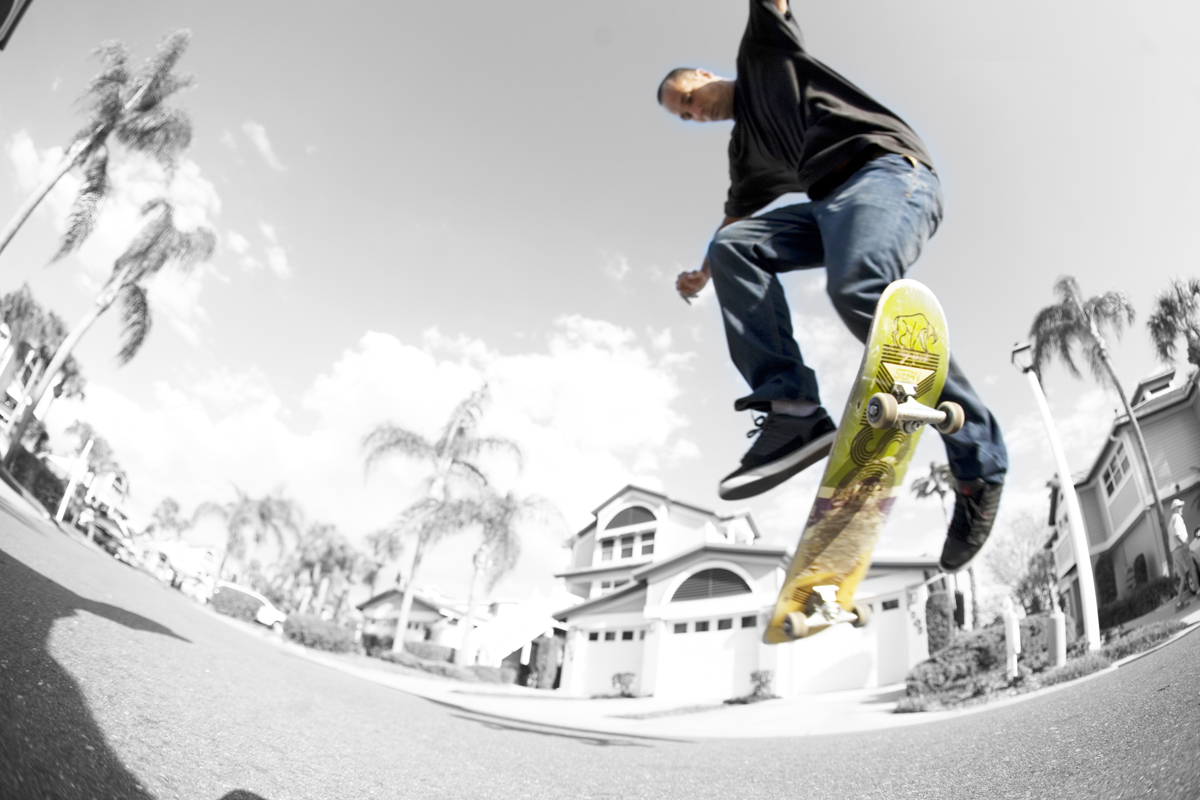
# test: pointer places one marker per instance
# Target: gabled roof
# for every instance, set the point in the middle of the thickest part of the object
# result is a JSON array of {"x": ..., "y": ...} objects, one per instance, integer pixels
[
  {"x": 629, "y": 487},
  {"x": 429, "y": 603},
  {"x": 618, "y": 597},
  {"x": 753, "y": 552}
]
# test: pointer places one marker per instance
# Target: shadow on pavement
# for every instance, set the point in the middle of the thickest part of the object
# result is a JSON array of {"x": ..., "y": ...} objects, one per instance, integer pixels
[
  {"x": 242, "y": 794},
  {"x": 50, "y": 744}
]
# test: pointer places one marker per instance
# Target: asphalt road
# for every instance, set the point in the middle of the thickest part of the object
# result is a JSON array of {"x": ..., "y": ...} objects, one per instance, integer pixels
[{"x": 114, "y": 686}]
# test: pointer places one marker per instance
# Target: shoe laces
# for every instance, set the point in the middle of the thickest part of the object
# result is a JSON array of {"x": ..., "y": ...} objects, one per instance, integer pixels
[{"x": 759, "y": 422}]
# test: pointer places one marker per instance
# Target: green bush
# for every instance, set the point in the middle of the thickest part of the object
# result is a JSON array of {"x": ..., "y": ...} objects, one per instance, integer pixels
[
  {"x": 623, "y": 683},
  {"x": 1075, "y": 668},
  {"x": 36, "y": 477},
  {"x": 1140, "y": 639},
  {"x": 939, "y": 620},
  {"x": 1142, "y": 600},
  {"x": 312, "y": 631},
  {"x": 376, "y": 645},
  {"x": 974, "y": 662},
  {"x": 430, "y": 651},
  {"x": 234, "y": 604},
  {"x": 473, "y": 674}
]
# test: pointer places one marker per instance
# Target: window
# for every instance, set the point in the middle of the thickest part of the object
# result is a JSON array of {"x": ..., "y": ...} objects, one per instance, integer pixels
[
  {"x": 648, "y": 543},
  {"x": 641, "y": 635},
  {"x": 610, "y": 636},
  {"x": 701, "y": 627},
  {"x": 606, "y": 585},
  {"x": 711, "y": 583},
  {"x": 626, "y": 636},
  {"x": 1117, "y": 469},
  {"x": 750, "y": 622},
  {"x": 891, "y": 605},
  {"x": 627, "y": 546},
  {"x": 593, "y": 636},
  {"x": 724, "y": 624},
  {"x": 606, "y": 550},
  {"x": 634, "y": 515},
  {"x": 681, "y": 627}
]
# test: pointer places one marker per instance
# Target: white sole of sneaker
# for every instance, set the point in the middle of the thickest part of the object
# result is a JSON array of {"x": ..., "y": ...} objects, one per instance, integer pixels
[{"x": 741, "y": 485}]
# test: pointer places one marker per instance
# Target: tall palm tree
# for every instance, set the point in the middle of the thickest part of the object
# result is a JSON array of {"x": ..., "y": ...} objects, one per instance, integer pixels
[
  {"x": 500, "y": 517},
  {"x": 939, "y": 481},
  {"x": 1075, "y": 322},
  {"x": 451, "y": 459},
  {"x": 385, "y": 547},
  {"x": 32, "y": 327},
  {"x": 130, "y": 106},
  {"x": 250, "y": 521},
  {"x": 158, "y": 244},
  {"x": 324, "y": 557},
  {"x": 1177, "y": 315}
]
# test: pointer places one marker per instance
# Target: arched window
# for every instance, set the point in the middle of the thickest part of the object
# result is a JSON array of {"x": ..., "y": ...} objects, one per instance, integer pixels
[
  {"x": 634, "y": 515},
  {"x": 711, "y": 583}
]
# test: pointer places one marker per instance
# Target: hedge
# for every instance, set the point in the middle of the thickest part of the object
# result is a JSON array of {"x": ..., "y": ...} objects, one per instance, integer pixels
[
  {"x": 35, "y": 476},
  {"x": 235, "y": 604},
  {"x": 312, "y": 631},
  {"x": 939, "y": 620},
  {"x": 1142, "y": 600},
  {"x": 473, "y": 674},
  {"x": 430, "y": 651}
]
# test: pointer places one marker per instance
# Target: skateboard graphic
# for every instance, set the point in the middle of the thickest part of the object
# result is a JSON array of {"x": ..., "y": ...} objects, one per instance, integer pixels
[{"x": 894, "y": 396}]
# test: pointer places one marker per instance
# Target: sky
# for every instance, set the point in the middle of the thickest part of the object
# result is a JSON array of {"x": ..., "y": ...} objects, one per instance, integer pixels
[{"x": 412, "y": 199}]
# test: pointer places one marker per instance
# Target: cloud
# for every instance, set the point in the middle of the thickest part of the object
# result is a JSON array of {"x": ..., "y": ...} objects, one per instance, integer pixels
[
  {"x": 592, "y": 408},
  {"x": 276, "y": 255},
  {"x": 616, "y": 266},
  {"x": 257, "y": 134}
]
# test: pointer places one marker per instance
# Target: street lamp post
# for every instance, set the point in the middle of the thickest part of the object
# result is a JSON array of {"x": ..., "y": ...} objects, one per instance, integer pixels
[{"x": 1022, "y": 358}]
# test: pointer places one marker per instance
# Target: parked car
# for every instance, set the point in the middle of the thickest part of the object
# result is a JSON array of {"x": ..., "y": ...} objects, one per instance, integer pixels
[
  {"x": 109, "y": 536},
  {"x": 266, "y": 613},
  {"x": 158, "y": 565}
]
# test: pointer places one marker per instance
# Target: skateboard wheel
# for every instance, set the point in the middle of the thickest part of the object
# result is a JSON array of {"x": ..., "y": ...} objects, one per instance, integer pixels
[
  {"x": 882, "y": 410},
  {"x": 955, "y": 418},
  {"x": 862, "y": 614},
  {"x": 795, "y": 625}
]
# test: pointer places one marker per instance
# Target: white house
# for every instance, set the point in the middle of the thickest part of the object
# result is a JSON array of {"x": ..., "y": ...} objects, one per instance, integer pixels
[{"x": 678, "y": 595}]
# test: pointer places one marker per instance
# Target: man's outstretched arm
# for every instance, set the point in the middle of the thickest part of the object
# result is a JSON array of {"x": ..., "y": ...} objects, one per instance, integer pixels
[
  {"x": 782, "y": 5},
  {"x": 689, "y": 284}
]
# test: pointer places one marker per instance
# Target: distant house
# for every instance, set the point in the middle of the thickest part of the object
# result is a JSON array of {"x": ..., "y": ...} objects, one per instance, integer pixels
[
  {"x": 1126, "y": 547},
  {"x": 679, "y": 595},
  {"x": 431, "y": 619}
]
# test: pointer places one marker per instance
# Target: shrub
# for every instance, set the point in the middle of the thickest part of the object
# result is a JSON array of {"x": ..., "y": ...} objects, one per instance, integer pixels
[
  {"x": 623, "y": 683},
  {"x": 974, "y": 663},
  {"x": 234, "y": 604},
  {"x": 1140, "y": 639},
  {"x": 377, "y": 645},
  {"x": 430, "y": 651},
  {"x": 312, "y": 631},
  {"x": 939, "y": 620},
  {"x": 46, "y": 487},
  {"x": 1106, "y": 580},
  {"x": 1076, "y": 668},
  {"x": 1142, "y": 600},
  {"x": 475, "y": 674},
  {"x": 762, "y": 680}
]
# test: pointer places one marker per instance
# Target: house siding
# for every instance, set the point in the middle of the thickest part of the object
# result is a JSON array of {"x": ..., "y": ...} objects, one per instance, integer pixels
[
  {"x": 1093, "y": 518},
  {"x": 1124, "y": 504},
  {"x": 1174, "y": 444}
]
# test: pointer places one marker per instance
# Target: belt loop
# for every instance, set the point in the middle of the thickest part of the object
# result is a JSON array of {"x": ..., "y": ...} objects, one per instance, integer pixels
[{"x": 912, "y": 161}]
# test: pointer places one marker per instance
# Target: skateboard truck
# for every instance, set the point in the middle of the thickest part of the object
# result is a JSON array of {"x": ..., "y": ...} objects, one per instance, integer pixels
[
  {"x": 901, "y": 409},
  {"x": 825, "y": 611}
]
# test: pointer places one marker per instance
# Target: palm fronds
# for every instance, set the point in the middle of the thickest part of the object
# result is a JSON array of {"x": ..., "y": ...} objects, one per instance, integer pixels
[
  {"x": 1177, "y": 314},
  {"x": 135, "y": 314},
  {"x": 82, "y": 217}
]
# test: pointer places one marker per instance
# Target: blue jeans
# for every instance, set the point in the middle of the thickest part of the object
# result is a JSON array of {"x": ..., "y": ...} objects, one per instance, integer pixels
[{"x": 866, "y": 233}]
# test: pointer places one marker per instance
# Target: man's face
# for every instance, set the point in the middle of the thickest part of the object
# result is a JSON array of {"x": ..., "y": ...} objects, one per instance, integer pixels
[{"x": 699, "y": 96}]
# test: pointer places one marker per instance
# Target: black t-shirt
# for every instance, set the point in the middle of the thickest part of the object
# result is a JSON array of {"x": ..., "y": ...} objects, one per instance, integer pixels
[{"x": 796, "y": 121}]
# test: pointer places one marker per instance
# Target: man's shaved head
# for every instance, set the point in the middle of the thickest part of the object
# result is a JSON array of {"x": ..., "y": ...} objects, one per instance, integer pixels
[{"x": 671, "y": 76}]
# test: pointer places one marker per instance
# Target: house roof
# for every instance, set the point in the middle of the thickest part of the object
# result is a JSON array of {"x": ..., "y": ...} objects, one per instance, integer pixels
[
  {"x": 739, "y": 551},
  {"x": 622, "y": 595},
  {"x": 429, "y": 603},
  {"x": 629, "y": 487}
]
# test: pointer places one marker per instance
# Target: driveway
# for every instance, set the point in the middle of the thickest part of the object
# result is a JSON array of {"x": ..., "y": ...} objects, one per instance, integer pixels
[{"x": 112, "y": 685}]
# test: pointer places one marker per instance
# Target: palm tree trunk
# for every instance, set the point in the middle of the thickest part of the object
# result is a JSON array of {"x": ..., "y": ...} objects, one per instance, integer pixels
[
  {"x": 68, "y": 160},
  {"x": 406, "y": 599},
  {"x": 1143, "y": 456},
  {"x": 465, "y": 655}
]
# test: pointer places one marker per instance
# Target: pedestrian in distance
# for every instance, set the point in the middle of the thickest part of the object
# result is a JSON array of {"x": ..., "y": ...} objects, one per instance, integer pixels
[
  {"x": 1186, "y": 578},
  {"x": 874, "y": 200}
]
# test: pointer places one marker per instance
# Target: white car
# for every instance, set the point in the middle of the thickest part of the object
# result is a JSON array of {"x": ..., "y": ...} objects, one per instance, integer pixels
[{"x": 267, "y": 614}]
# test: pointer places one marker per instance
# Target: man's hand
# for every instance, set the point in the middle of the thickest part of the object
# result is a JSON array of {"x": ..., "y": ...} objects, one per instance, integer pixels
[
  {"x": 689, "y": 284},
  {"x": 782, "y": 5}
]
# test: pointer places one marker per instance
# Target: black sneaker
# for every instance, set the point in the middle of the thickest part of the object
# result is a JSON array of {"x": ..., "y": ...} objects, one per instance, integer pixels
[
  {"x": 785, "y": 446},
  {"x": 975, "y": 504}
]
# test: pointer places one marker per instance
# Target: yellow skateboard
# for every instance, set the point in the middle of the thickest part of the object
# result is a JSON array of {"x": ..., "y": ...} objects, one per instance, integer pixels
[{"x": 899, "y": 384}]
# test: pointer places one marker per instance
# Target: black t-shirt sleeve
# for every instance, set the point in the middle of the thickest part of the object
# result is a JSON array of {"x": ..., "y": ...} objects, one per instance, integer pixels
[{"x": 768, "y": 28}]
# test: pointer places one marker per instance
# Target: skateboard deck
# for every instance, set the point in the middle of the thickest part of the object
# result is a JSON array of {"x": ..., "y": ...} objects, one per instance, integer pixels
[{"x": 894, "y": 397}]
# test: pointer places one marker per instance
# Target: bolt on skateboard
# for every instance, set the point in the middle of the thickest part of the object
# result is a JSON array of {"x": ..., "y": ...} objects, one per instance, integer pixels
[{"x": 895, "y": 396}]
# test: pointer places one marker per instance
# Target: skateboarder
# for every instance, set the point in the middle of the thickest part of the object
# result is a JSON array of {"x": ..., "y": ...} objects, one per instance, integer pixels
[{"x": 874, "y": 200}]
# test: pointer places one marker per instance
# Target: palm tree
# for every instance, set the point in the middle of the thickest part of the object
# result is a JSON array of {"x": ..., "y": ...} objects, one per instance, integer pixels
[
  {"x": 385, "y": 547},
  {"x": 324, "y": 557},
  {"x": 1177, "y": 314},
  {"x": 250, "y": 521},
  {"x": 165, "y": 519},
  {"x": 452, "y": 466},
  {"x": 938, "y": 482},
  {"x": 498, "y": 551},
  {"x": 130, "y": 106},
  {"x": 32, "y": 327},
  {"x": 1074, "y": 322},
  {"x": 158, "y": 244}
]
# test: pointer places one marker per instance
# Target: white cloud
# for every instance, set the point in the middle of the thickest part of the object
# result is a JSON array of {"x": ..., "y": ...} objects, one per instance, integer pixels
[
  {"x": 592, "y": 410},
  {"x": 258, "y": 137},
  {"x": 276, "y": 255},
  {"x": 616, "y": 266},
  {"x": 228, "y": 139}
]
